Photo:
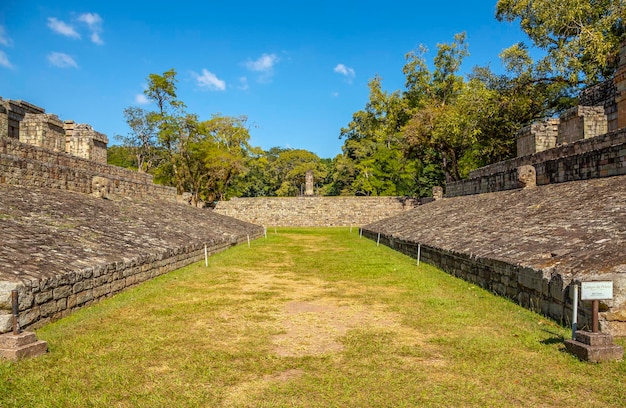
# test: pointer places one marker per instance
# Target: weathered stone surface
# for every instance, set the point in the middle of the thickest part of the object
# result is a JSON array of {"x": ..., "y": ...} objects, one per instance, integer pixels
[
  {"x": 594, "y": 347},
  {"x": 602, "y": 156},
  {"x": 537, "y": 240},
  {"x": 63, "y": 250},
  {"x": 23, "y": 345},
  {"x": 314, "y": 211}
]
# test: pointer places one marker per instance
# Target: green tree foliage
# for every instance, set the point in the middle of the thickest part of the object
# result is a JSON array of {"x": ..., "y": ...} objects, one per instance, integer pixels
[
  {"x": 142, "y": 139},
  {"x": 374, "y": 159},
  {"x": 122, "y": 156},
  {"x": 580, "y": 37},
  {"x": 224, "y": 150},
  {"x": 290, "y": 169},
  {"x": 199, "y": 157}
]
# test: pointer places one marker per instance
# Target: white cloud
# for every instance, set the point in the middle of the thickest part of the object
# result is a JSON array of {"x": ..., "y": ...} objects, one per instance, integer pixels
[
  {"x": 61, "y": 60},
  {"x": 345, "y": 71},
  {"x": 265, "y": 63},
  {"x": 4, "y": 60},
  {"x": 335, "y": 94},
  {"x": 243, "y": 81},
  {"x": 62, "y": 28},
  {"x": 94, "y": 22},
  {"x": 141, "y": 99},
  {"x": 4, "y": 37},
  {"x": 209, "y": 80}
]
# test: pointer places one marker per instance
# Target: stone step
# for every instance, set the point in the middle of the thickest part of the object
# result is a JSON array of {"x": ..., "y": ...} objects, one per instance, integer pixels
[
  {"x": 594, "y": 354},
  {"x": 594, "y": 339},
  {"x": 10, "y": 340},
  {"x": 35, "y": 349},
  {"x": 23, "y": 345}
]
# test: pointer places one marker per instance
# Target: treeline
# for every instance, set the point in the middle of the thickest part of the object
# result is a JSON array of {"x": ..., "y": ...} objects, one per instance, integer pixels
[{"x": 435, "y": 130}]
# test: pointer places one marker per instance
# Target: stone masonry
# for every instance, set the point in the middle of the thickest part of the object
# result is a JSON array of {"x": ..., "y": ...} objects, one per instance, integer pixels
[
  {"x": 76, "y": 230},
  {"x": 63, "y": 250},
  {"x": 314, "y": 211},
  {"x": 620, "y": 88},
  {"x": 30, "y": 124},
  {"x": 581, "y": 122},
  {"x": 529, "y": 244},
  {"x": 83, "y": 141},
  {"x": 537, "y": 137}
]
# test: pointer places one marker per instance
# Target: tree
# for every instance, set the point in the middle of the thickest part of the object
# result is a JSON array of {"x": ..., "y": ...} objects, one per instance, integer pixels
[
  {"x": 122, "y": 156},
  {"x": 225, "y": 150},
  {"x": 374, "y": 147},
  {"x": 444, "y": 122},
  {"x": 290, "y": 169},
  {"x": 142, "y": 138},
  {"x": 580, "y": 37}
]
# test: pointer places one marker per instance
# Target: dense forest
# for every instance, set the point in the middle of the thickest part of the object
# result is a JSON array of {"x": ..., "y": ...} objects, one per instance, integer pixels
[{"x": 436, "y": 129}]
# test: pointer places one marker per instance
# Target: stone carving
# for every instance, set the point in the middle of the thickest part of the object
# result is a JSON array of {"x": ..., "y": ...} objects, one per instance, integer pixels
[
  {"x": 527, "y": 176},
  {"x": 309, "y": 184},
  {"x": 437, "y": 192},
  {"x": 100, "y": 187}
]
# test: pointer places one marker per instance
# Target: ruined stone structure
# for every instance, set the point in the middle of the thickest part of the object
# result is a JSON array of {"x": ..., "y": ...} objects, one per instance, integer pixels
[
  {"x": 12, "y": 113},
  {"x": 82, "y": 141},
  {"x": 531, "y": 245},
  {"x": 532, "y": 227},
  {"x": 62, "y": 250},
  {"x": 314, "y": 211},
  {"x": 31, "y": 125}
]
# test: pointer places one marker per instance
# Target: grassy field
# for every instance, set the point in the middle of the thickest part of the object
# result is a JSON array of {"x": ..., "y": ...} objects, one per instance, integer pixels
[{"x": 308, "y": 318}]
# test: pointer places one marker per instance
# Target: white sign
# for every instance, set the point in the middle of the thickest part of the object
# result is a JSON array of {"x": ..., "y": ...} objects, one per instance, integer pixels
[{"x": 596, "y": 290}]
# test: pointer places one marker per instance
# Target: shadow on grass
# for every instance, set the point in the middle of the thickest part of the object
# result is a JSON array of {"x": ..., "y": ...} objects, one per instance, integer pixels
[{"x": 555, "y": 338}]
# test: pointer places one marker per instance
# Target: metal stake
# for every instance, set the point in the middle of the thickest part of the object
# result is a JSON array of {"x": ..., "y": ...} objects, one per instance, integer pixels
[
  {"x": 15, "y": 304},
  {"x": 575, "y": 312},
  {"x": 594, "y": 315}
]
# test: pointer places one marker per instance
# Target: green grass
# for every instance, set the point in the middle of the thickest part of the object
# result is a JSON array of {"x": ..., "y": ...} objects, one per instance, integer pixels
[{"x": 308, "y": 318}]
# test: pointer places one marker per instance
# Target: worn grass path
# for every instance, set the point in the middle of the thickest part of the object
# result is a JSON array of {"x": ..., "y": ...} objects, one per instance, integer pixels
[{"x": 308, "y": 318}]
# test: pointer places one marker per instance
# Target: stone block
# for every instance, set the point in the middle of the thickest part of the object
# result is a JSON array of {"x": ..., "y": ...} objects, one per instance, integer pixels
[
  {"x": 62, "y": 292},
  {"x": 29, "y": 316},
  {"x": 23, "y": 345},
  {"x": 6, "y": 323},
  {"x": 594, "y": 347},
  {"x": 48, "y": 308},
  {"x": 84, "y": 297},
  {"x": 43, "y": 297}
]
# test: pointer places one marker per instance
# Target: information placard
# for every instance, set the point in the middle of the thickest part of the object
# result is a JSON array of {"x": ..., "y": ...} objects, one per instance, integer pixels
[{"x": 598, "y": 290}]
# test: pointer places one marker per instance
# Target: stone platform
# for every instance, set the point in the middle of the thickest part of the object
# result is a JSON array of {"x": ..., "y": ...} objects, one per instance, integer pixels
[
  {"x": 594, "y": 347},
  {"x": 63, "y": 250},
  {"x": 529, "y": 244},
  {"x": 15, "y": 347}
]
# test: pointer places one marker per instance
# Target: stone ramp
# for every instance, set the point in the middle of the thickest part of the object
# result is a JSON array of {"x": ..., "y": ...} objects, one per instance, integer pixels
[
  {"x": 527, "y": 244},
  {"x": 64, "y": 250}
]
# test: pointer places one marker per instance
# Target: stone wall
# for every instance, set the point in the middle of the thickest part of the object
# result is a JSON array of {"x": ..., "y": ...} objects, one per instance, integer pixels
[
  {"x": 581, "y": 122},
  {"x": 602, "y": 94},
  {"x": 537, "y": 137},
  {"x": 30, "y": 124},
  {"x": 43, "y": 130},
  {"x": 51, "y": 298},
  {"x": 28, "y": 165},
  {"x": 601, "y": 156},
  {"x": 63, "y": 250},
  {"x": 620, "y": 88},
  {"x": 12, "y": 113},
  {"x": 83, "y": 141},
  {"x": 530, "y": 245},
  {"x": 314, "y": 211}
]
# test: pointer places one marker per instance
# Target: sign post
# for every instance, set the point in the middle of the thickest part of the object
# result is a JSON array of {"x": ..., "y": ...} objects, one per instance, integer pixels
[{"x": 596, "y": 291}]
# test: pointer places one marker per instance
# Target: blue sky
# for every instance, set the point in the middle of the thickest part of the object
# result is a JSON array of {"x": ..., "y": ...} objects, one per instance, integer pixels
[{"x": 297, "y": 69}]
